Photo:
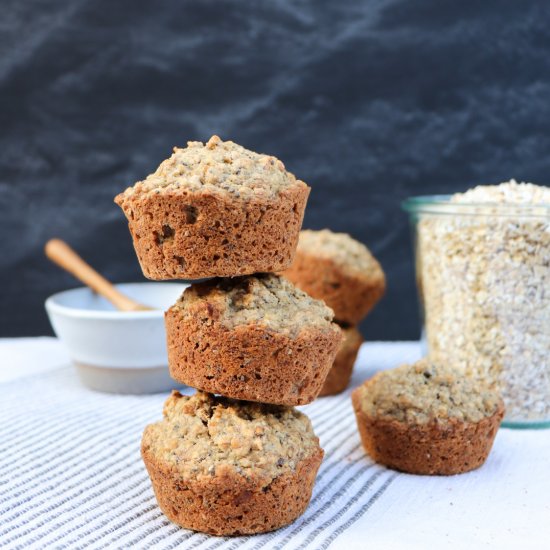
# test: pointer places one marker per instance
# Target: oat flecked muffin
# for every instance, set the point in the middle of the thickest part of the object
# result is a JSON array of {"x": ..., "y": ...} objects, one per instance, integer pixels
[
  {"x": 230, "y": 467},
  {"x": 339, "y": 375},
  {"x": 427, "y": 419},
  {"x": 214, "y": 210},
  {"x": 257, "y": 338},
  {"x": 336, "y": 268}
]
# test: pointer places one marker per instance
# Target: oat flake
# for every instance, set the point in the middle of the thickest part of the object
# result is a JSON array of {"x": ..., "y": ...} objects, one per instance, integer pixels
[{"x": 485, "y": 280}]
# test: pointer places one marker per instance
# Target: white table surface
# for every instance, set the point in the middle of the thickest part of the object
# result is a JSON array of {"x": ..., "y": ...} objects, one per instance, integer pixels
[{"x": 71, "y": 477}]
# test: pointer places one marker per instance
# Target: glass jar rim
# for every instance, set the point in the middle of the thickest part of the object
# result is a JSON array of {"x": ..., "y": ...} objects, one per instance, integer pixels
[{"x": 442, "y": 205}]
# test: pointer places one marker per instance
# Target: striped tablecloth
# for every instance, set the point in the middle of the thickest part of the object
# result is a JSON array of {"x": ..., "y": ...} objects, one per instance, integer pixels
[{"x": 71, "y": 474}]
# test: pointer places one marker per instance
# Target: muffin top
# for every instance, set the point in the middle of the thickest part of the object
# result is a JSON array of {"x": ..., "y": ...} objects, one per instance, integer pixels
[
  {"x": 205, "y": 435},
  {"x": 265, "y": 300},
  {"x": 422, "y": 392},
  {"x": 340, "y": 248},
  {"x": 217, "y": 167}
]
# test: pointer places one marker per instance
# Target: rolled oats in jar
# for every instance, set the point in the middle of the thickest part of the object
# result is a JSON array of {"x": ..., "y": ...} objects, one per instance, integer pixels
[{"x": 483, "y": 271}]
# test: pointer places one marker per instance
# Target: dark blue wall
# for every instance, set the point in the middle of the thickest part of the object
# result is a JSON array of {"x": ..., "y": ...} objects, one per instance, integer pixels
[{"x": 368, "y": 102}]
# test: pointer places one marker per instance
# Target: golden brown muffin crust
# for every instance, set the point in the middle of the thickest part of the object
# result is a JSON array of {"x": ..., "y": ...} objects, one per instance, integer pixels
[
  {"x": 424, "y": 391},
  {"x": 427, "y": 419},
  {"x": 217, "y": 167},
  {"x": 203, "y": 433},
  {"x": 342, "y": 249},
  {"x": 201, "y": 216},
  {"x": 433, "y": 448},
  {"x": 339, "y": 375},
  {"x": 255, "y": 338},
  {"x": 339, "y": 270},
  {"x": 266, "y": 300},
  {"x": 227, "y": 467}
]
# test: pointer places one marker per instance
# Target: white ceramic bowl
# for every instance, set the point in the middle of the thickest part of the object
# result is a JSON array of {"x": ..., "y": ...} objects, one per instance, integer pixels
[{"x": 116, "y": 351}]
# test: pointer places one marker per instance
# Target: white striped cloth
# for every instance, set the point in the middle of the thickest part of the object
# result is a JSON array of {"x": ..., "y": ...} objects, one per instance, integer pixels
[{"x": 71, "y": 474}]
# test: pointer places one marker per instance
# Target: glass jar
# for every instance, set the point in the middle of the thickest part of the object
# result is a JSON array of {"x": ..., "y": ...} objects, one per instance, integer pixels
[{"x": 483, "y": 277}]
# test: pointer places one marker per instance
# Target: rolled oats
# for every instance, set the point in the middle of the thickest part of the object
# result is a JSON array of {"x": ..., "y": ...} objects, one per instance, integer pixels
[{"x": 484, "y": 277}]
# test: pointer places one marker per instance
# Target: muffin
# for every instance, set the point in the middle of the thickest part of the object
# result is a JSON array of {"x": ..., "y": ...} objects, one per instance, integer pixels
[
  {"x": 336, "y": 268},
  {"x": 230, "y": 468},
  {"x": 339, "y": 375},
  {"x": 214, "y": 210},
  {"x": 427, "y": 419},
  {"x": 257, "y": 338}
]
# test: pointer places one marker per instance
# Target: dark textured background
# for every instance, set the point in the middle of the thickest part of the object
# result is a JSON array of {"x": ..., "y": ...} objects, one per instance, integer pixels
[{"x": 368, "y": 102}]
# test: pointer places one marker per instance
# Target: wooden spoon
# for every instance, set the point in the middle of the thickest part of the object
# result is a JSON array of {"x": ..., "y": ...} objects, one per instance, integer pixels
[{"x": 64, "y": 256}]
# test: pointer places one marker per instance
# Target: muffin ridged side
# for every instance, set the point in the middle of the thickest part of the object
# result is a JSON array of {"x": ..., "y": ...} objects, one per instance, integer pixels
[
  {"x": 191, "y": 226},
  {"x": 240, "y": 492},
  {"x": 275, "y": 360},
  {"x": 339, "y": 270},
  {"x": 418, "y": 436},
  {"x": 339, "y": 375}
]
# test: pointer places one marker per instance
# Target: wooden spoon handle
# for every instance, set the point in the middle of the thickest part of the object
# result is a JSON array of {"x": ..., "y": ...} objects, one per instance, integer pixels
[{"x": 63, "y": 255}]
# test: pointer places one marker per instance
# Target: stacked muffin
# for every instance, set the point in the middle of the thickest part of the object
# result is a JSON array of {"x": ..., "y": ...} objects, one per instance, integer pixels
[
  {"x": 234, "y": 458},
  {"x": 342, "y": 272}
]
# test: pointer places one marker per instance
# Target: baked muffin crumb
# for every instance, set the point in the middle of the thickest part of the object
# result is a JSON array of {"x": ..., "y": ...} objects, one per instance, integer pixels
[
  {"x": 427, "y": 419},
  {"x": 203, "y": 433},
  {"x": 256, "y": 338},
  {"x": 230, "y": 467},
  {"x": 341, "y": 271},
  {"x": 220, "y": 167},
  {"x": 341, "y": 248},
  {"x": 424, "y": 391},
  {"x": 215, "y": 210},
  {"x": 264, "y": 299},
  {"x": 339, "y": 375}
]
